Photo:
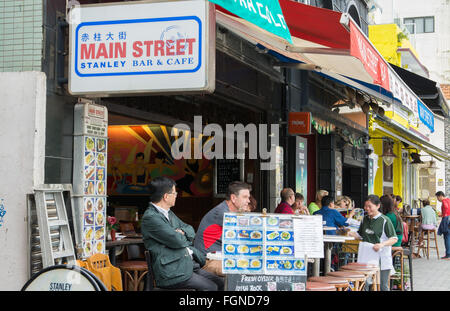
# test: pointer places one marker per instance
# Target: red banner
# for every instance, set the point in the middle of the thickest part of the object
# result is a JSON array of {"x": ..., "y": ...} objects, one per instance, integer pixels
[{"x": 361, "y": 48}]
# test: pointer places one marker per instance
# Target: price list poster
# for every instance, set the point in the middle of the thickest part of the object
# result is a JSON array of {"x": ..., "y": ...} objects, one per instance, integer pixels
[
  {"x": 90, "y": 176},
  {"x": 260, "y": 244}
]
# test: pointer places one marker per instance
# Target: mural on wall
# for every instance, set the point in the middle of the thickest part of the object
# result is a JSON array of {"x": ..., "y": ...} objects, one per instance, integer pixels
[{"x": 139, "y": 153}]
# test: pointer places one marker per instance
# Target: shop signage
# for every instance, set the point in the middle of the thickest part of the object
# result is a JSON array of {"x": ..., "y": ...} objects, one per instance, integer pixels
[
  {"x": 61, "y": 278},
  {"x": 142, "y": 48},
  {"x": 425, "y": 115},
  {"x": 266, "y": 14},
  {"x": 299, "y": 123},
  {"x": 373, "y": 62},
  {"x": 401, "y": 92},
  {"x": 301, "y": 166}
]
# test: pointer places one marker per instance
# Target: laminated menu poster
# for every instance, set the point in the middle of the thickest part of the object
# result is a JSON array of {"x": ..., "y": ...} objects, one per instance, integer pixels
[
  {"x": 89, "y": 177},
  {"x": 260, "y": 244},
  {"x": 94, "y": 214}
]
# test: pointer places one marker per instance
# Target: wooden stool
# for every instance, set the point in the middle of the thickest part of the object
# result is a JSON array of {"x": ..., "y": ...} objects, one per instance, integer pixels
[
  {"x": 370, "y": 271},
  {"x": 397, "y": 251},
  {"x": 427, "y": 246},
  {"x": 341, "y": 284},
  {"x": 320, "y": 287},
  {"x": 139, "y": 270},
  {"x": 354, "y": 277}
]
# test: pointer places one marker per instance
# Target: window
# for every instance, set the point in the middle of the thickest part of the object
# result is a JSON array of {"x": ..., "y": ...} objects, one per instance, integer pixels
[{"x": 419, "y": 24}]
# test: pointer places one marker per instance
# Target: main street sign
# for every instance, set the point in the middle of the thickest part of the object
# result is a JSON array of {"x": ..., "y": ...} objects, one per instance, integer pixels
[{"x": 127, "y": 48}]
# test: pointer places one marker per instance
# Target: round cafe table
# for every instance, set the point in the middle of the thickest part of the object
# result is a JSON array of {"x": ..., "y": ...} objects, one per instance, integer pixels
[
  {"x": 320, "y": 287},
  {"x": 354, "y": 277},
  {"x": 341, "y": 284},
  {"x": 370, "y": 271}
]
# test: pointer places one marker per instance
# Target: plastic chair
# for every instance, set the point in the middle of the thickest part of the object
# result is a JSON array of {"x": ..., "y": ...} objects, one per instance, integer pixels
[
  {"x": 151, "y": 285},
  {"x": 101, "y": 267}
]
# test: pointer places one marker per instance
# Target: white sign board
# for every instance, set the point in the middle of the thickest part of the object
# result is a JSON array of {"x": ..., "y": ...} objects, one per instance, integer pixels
[
  {"x": 139, "y": 47},
  {"x": 308, "y": 236}
]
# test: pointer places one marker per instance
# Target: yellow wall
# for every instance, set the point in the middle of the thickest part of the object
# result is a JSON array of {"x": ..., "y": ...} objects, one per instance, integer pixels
[
  {"x": 397, "y": 173},
  {"x": 384, "y": 38}
]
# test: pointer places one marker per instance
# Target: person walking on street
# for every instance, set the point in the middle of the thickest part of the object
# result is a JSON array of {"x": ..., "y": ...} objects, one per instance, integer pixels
[{"x": 444, "y": 226}]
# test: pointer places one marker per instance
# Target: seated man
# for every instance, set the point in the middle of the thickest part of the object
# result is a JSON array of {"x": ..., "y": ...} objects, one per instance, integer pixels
[
  {"x": 209, "y": 234},
  {"x": 331, "y": 216},
  {"x": 287, "y": 199},
  {"x": 175, "y": 262}
]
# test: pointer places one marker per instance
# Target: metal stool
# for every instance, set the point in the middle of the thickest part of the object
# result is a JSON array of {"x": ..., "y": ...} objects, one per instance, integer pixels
[{"x": 341, "y": 284}]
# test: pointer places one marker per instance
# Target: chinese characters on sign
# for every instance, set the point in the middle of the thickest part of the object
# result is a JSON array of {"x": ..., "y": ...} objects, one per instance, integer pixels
[{"x": 131, "y": 47}]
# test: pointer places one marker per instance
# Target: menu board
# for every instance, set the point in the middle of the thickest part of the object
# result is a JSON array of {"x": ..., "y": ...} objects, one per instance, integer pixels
[
  {"x": 243, "y": 282},
  {"x": 226, "y": 171},
  {"x": 254, "y": 243},
  {"x": 90, "y": 154}
]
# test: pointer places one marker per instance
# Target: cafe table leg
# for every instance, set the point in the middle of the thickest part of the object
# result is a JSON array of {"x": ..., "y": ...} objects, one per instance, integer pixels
[
  {"x": 316, "y": 267},
  {"x": 327, "y": 264}
]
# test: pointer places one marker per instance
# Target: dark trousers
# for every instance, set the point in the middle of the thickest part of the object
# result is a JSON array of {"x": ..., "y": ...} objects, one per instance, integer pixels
[
  {"x": 201, "y": 280},
  {"x": 447, "y": 244}
]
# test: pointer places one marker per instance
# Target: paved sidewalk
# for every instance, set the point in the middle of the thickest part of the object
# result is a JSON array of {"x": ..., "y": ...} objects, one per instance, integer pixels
[{"x": 432, "y": 274}]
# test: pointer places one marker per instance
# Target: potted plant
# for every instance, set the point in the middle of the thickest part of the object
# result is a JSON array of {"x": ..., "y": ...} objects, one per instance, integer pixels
[{"x": 112, "y": 226}]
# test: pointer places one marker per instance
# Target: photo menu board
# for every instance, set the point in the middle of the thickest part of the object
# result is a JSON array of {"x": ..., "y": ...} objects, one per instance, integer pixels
[
  {"x": 254, "y": 243},
  {"x": 94, "y": 201},
  {"x": 89, "y": 177}
]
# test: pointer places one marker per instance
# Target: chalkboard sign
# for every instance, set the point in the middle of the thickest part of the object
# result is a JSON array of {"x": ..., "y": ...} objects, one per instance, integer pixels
[
  {"x": 261, "y": 282},
  {"x": 225, "y": 172}
]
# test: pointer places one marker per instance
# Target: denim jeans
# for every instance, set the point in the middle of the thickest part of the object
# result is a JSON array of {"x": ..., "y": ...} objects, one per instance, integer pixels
[{"x": 447, "y": 244}]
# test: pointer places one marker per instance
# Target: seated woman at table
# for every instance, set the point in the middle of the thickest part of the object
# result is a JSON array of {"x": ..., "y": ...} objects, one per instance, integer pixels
[
  {"x": 429, "y": 218},
  {"x": 315, "y": 206},
  {"x": 330, "y": 216},
  {"x": 388, "y": 208}
]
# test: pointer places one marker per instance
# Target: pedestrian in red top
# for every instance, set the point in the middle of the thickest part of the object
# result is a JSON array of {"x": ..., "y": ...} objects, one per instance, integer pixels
[
  {"x": 287, "y": 199},
  {"x": 444, "y": 226}
]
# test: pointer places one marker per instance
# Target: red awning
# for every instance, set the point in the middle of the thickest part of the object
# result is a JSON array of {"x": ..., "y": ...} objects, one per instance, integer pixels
[
  {"x": 314, "y": 24},
  {"x": 324, "y": 38}
]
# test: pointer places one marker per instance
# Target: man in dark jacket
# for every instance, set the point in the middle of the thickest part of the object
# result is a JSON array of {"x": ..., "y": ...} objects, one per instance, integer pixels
[{"x": 175, "y": 262}]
